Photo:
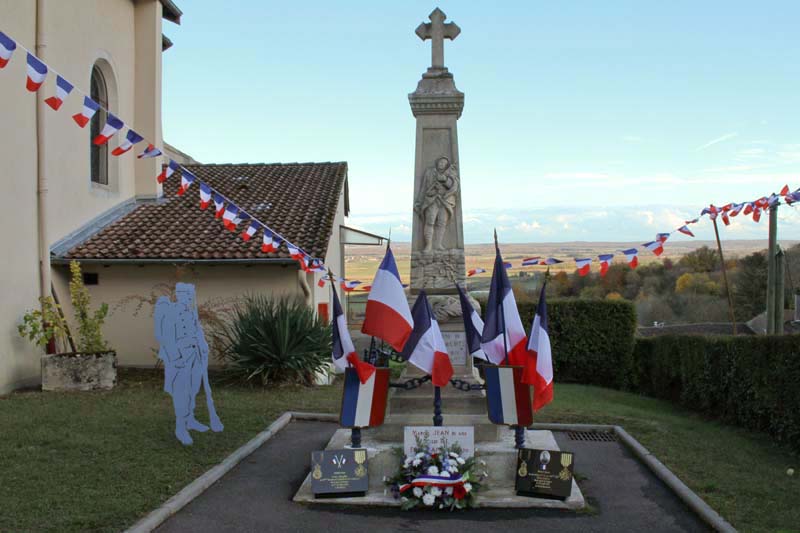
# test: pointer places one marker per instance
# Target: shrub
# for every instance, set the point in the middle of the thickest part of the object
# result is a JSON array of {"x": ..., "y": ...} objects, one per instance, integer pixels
[
  {"x": 750, "y": 381},
  {"x": 267, "y": 340}
]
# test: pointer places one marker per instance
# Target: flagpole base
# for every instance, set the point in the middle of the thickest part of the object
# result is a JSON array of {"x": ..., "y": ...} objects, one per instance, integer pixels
[
  {"x": 437, "y": 406},
  {"x": 355, "y": 438},
  {"x": 519, "y": 437}
]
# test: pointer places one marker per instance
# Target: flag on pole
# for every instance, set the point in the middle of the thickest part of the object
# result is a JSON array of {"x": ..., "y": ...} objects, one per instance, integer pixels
[
  {"x": 150, "y": 151},
  {"x": 657, "y": 247},
  {"x": 167, "y": 172},
  {"x": 584, "y": 266},
  {"x": 425, "y": 347},
  {"x": 364, "y": 404},
  {"x": 539, "y": 346},
  {"x": 632, "y": 256},
  {"x": 90, "y": 107},
  {"x": 7, "y": 47},
  {"x": 63, "y": 88},
  {"x": 686, "y": 231},
  {"x": 205, "y": 195},
  {"x": 473, "y": 325},
  {"x": 112, "y": 126},
  {"x": 131, "y": 138},
  {"x": 503, "y": 328},
  {"x": 605, "y": 263},
  {"x": 475, "y": 271},
  {"x": 344, "y": 352},
  {"x": 508, "y": 399},
  {"x": 387, "y": 315},
  {"x": 37, "y": 72}
]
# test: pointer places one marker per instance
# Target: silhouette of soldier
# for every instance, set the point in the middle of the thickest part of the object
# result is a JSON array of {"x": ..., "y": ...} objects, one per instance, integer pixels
[{"x": 184, "y": 350}]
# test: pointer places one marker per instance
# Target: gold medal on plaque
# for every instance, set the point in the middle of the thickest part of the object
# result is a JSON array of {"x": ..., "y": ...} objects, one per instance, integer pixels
[
  {"x": 317, "y": 473},
  {"x": 566, "y": 460},
  {"x": 360, "y": 456},
  {"x": 523, "y": 468},
  {"x": 316, "y": 458}
]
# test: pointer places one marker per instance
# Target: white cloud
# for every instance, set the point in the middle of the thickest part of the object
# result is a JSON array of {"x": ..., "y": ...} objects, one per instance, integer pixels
[
  {"x": 649, "y": 216},
  {"x": 718, "y": 140},
  {"x": 528, "y": 227}
]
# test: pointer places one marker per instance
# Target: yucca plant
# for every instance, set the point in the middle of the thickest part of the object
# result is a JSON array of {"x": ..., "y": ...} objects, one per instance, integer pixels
[{"x": 268, "y": 339}]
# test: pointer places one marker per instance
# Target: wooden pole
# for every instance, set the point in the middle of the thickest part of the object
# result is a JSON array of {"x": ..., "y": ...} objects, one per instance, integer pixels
[
  {"x": 780, "y": 287},
  {"x": 725, "y": 277}
]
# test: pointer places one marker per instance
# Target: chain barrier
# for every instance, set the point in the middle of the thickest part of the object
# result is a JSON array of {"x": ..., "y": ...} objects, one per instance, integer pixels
[
  {"x": 466, "y": 386},
  {"x": 410, "y": 384}
]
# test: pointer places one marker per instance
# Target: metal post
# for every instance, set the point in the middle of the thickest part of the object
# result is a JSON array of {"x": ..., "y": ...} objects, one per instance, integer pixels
[
  {"x": 355, "y": 438},
  {"x": 780, "y": 263},
  {"x": 773, "y": 242},
  {"x": 519, "y": 437},
  {"x": 437, "y": 406},
  {"x": 725, "y": 277}
]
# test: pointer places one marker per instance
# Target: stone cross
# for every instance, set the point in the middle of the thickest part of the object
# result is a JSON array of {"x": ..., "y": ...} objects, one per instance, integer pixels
[{"x": 437, "y": 31}]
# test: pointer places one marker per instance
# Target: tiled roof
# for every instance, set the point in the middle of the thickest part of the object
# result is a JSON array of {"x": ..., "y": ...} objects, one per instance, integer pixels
[{"x": 297, "y": 200}]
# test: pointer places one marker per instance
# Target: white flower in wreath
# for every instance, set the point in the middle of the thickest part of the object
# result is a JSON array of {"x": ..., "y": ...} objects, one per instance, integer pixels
[
  {"x": 403, "y": 499},
  {"x": 416, "y": 462},
  {"x": 449, "y": 491},
  {"x": 454, "y": 455},
  {"x": 467, "y": 487},
  {"x": 436, "y": 491},
  {"x": 420, "y": 455},
  {"x": 460, "y": 461},
  {"x": 428, "y": 499},
  {"x": 453, "y": 469},
  {"x": 417, "y": 492},
  {"x": 433, "y": 470},
  {"x": 445, "y": 473}
]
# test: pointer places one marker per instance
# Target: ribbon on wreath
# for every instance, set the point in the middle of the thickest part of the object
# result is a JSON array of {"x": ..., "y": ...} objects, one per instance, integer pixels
[{"x": 433, "y": 481}]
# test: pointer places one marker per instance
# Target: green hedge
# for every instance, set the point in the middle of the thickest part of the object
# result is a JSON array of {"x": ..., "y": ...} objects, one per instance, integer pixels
[
  {"x": 750, "y": 381},
  {"x": 592, "y": 340}
]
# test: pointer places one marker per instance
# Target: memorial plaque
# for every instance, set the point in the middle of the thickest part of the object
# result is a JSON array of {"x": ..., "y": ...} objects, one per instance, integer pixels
[
  {"x": 544, "y": 473},
  {"x": 339, "y": 473},
  {"x": 456, "y": 343},
  {"x": 438, "y": 436}
]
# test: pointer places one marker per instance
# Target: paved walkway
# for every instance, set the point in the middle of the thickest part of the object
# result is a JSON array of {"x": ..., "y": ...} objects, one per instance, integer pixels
[{"x": 256, "y": 496}]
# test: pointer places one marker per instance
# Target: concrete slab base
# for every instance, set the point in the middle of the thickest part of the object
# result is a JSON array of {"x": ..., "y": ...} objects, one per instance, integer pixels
[{"x": 498, "y": 489}]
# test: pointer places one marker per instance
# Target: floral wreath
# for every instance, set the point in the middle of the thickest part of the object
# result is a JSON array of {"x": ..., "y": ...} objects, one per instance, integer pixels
[{"x": 438, "y": 479}]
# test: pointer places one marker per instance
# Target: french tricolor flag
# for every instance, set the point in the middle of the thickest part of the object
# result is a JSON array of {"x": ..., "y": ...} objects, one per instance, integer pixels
[
  {"x": 735, "y": 210},
  {"x": 364, "y": 404},
  {"x": 474, "y": 271},
  {"x": 503, "y": 329},
  {"x": 167, "y": 172},
  {"x": 662, "y": 237},
  {"x": 725, "y": 218},
  {"x": 657, "y": 247},
  {"x": 632, "y": 256},
  {"x": 229, "y": 216},
  {"x": 508, "y": 399},
  {"x": 605, "y": 263},
  {"x": 583, "y": 265},
  {"x": 350, "y": 285},
  {"x": 316, "y": 265},
  {"x": 90, "y": 107},
  {"x": 219, "y": 206},
  {"x": 268, "y": 242},
  {"x": 7, "y": 47},
  {"x": 784, "y": 190},
  {"x": 131, "y": 138},
  {"x": 473, "y": 325},
  {"x": 344, "y": 352},
  {"x": 150, "y": 151},
  {"x": 187, "y": 178},
  {"x": 757, "y": 214},
  {"x": 550, "y": 261},
  {"x": 686, "y": 231},
  {"x": 694, "y": 220},
  {"x": 425, "y": 348},
  {"x": 113, "y": 125},
  {"x": 37, "y": 72},
  {"x": 387, "y": 315},
  {"x": 530, "y": 261},
  {"x": 748, "y": 208},
  {"x": 205, "y": 196},
  {"x": 294, "y": 252},
  {"x": 63, "y": 88},
  {"x": 539, "y": 346}
]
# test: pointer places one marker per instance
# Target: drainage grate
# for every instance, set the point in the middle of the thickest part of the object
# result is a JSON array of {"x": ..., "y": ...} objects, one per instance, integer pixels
[{"x": 592, "y": 436}]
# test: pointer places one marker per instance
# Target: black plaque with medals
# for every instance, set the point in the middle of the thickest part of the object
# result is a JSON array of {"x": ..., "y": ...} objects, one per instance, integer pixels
[
  {"x": 544, "y": 473},
  {"x": 339, "y": 473}
]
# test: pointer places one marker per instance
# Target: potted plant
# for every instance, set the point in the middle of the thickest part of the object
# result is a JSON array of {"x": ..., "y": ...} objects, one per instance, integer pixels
[{"x": 89, "y": 364}]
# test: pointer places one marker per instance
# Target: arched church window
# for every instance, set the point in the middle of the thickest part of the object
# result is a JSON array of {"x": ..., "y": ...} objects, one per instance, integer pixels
[{"x": 99, "y": 154}]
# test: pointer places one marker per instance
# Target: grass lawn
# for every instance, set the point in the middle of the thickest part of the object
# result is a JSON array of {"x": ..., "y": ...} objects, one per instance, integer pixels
[{"x": 100, "y": 461}]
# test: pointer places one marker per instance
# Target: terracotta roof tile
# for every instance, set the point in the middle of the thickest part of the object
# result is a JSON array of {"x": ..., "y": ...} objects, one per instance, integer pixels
[{"x": 297, "y": 200}]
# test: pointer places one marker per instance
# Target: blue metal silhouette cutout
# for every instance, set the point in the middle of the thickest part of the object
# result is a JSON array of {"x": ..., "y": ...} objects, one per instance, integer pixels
[{"x": 184, "y": 350}]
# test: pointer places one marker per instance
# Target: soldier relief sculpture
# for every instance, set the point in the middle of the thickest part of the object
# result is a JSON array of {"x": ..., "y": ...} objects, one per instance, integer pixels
[{"x": 436, "y": 202}]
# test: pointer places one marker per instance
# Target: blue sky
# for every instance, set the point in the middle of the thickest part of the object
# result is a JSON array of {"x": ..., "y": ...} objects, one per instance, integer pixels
[{"x": 584, "y": 120}]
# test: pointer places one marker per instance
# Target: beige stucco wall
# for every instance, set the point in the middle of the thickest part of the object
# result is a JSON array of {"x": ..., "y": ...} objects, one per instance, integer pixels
[
  {"x": 334, "y": 258},
  {"x": 126, "y": 35}
]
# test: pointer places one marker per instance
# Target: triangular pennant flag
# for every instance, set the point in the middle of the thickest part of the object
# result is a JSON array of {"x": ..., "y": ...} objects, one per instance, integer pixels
[
  {"x": 187, "y": 178},
  {"x": 167, "y": 172},
  {"x": 251, "y": 230},
  {"x": 63, "y": 88},
  {"x": 584, "y": 265},
  {"x": 219, "y": 206},
  {"x": 113, "y": 125},
  {"x": 205, "y": 196},
  {"x": 7, "y": 47},
  {"x": 131, "y": 138},
  {"x": 150, "y": 151},
  {"x": 90, "y": 107},
  {"x": 37, "y": 72}
]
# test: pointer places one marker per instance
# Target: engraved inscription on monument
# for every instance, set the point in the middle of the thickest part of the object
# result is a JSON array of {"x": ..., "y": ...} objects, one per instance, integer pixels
[
  {"x": 456, "y": 343},
  {"x": 544, "y": 473},
  {"x": 339, "y": 472}
]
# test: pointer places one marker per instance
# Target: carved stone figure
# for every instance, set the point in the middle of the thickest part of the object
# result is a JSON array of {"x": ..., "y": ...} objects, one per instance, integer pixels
[
  {"x": 184, "y": 350},
  {"x": 436, "y": 202}
]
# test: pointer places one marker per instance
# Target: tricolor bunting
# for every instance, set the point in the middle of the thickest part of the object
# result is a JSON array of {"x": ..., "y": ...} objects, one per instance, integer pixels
[
  {"x": 364, "y": 404},
  {"x": 7, "y": 47},
  {"x": 112, "y": 126},
  {"x": 632, "y": 256},
  {"x": 150, "y": 151},
  {"x": 583, "y": 265},
  {"x": 350, "y": 285},
  {"x": 131, "y": 138},
  {"x": 63, "y": 88},
  {"x": 474, "y": 271},
  {"x": 205, "y": 196},
  {"x": 168, "y": 171},
  {"x": 251, "y": 230},
  {"x": 90, "y": 107},
  {"x": 530, "y": 261},
  {"x": 344, "y": 352},
  {"x": 605, "y": 263},
  {"x": 503, "y": 328},
  {"x": 473, "y": 325},
  {"x": 387, "y": 315},
  {"x": 686, "y": 231},
  {"x": 219, "y": 205},
  {"x": 187, "y": 178},
  {"x": 37, "y": 72},
  {"x": 425, "y": 347},
  {"x": 509, "y": 400},
  {"x": 539, "y": 346},
  {"x": 550, "y": 261},
  {"x": 268, "y": 243},
  {"x": 657, "y": 247},
  {"x": 229, "y": 217}
]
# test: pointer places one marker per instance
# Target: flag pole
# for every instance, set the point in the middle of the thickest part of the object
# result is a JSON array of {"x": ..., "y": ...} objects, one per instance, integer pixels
[
  {"x": 725, "y": 277},
  {"x": 355, "y": 433}
]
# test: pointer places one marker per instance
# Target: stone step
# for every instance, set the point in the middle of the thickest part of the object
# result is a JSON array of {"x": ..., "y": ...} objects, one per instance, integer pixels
[
  {"x": 407, "y": 404},
  {"x": 392, "y": 428}
]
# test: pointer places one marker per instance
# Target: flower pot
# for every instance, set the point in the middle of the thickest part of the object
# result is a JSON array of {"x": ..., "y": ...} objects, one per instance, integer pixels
[{"x": 79, "y": 371}]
